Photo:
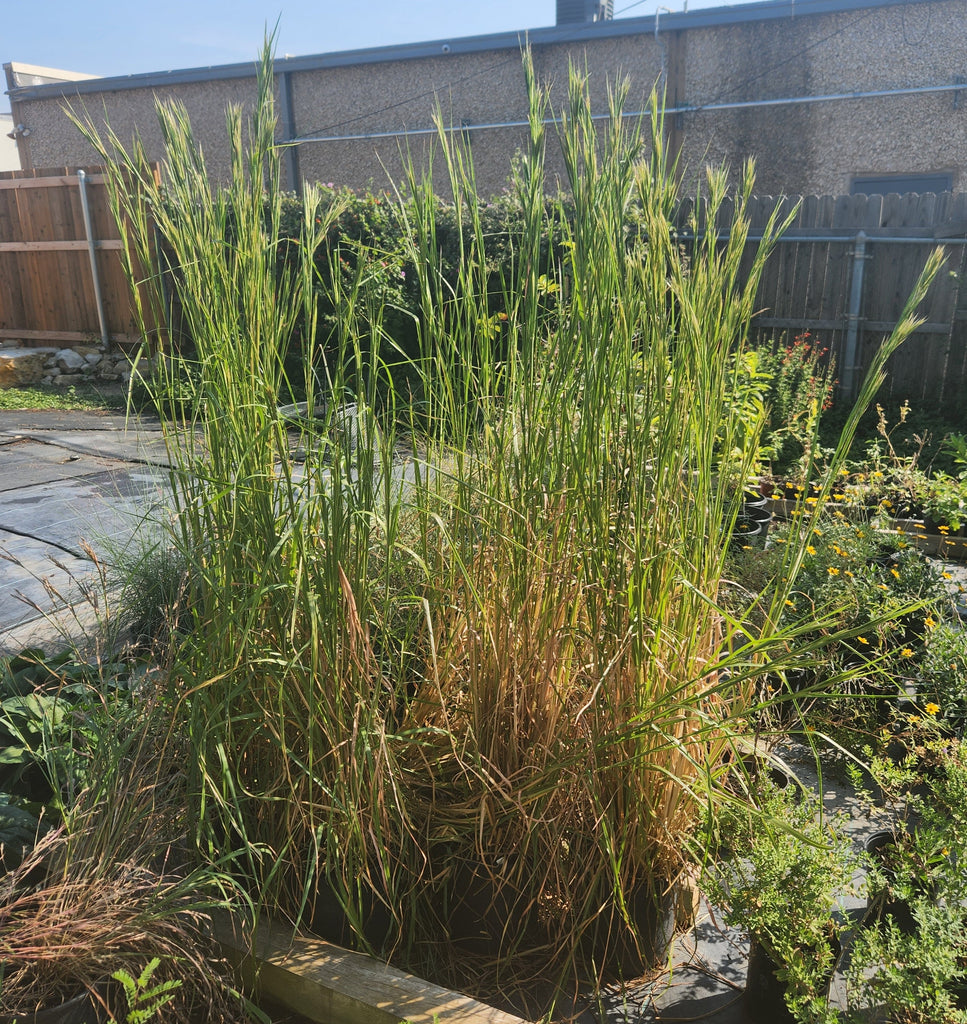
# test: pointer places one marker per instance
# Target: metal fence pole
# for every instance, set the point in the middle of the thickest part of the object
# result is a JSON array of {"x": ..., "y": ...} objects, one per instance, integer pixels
[
  {"x": 92, "y": 249},
  {"x": 852, "y": 362}
]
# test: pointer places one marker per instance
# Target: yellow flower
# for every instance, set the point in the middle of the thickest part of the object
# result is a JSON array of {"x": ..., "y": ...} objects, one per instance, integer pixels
[
  {"x": 817, "y": 531},
  {"x": 838, "y": 497},
  {"x": 946, "y": 575},
  {"x": 895, "y": 573},
  {"x": 943, "y": 529},
  {"x": 846, "y": 572},
  {"x": 791, "y": 604},
  {"x": 932, "y": 708},
  {"x": 883, "y": 586},
  {"x": 906, "y": 653},
  {"x": 812, "y": 501},
  {"x": 833, "y": 571},
  {"x": 863, "y": 640},
  {"x": 810, "y": 550},
  {"x": 930, "y": 622}
]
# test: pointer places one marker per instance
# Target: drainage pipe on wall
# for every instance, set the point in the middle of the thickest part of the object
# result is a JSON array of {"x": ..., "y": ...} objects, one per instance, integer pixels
[{"x": 92, "y": 251}]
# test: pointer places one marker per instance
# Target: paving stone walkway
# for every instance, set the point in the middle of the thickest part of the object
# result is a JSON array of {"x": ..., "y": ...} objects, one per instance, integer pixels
[{"x": 74, "y": 487}]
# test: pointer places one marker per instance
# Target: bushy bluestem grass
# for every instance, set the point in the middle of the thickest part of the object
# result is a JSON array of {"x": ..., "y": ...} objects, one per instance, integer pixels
[{"x": 475, "y": 656}]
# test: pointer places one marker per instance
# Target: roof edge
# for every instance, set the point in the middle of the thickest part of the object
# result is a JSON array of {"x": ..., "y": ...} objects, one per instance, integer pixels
[{"x": 767, "y": 10}]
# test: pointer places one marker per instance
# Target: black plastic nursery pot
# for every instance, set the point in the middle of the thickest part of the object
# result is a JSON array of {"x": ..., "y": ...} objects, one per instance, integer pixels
[
  {"x": 761, "y": 515},
  {"x": 765, "y": 992},
  {"x": 755, "y": 499},
  {"x": 653, "y": 914},
  {"x": 752, "y": 772},
  {"x": 882, "y": 848},
  {"x": 82, "y": 1009},
  {"x": 747, "y": 532}
]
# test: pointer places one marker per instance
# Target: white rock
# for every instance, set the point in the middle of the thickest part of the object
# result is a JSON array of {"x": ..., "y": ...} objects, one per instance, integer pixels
[{"x": 69, "y": 361}]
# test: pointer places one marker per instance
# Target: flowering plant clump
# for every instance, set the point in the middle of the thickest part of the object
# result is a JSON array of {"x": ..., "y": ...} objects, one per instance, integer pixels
[
  {"x": 800, "y": 388},
  {"x": 942, "y": 675},
  {"x": 876, "y": 581}
]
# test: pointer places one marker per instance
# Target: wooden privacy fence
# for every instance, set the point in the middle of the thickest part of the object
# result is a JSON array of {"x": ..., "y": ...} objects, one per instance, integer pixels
[
  {"x": 61, "y": 276},
  {"x": 844, "y": 270}
]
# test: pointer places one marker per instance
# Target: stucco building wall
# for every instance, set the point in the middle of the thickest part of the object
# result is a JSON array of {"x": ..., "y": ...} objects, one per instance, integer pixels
[{"x": 778, "y": 50}]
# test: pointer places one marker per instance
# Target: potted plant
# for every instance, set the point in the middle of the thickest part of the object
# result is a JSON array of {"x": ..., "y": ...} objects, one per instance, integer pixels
[
  {"x": 915, "y": 975},
  {"x": 910, "y": 961},
  {"x": 785, "y": 865}
]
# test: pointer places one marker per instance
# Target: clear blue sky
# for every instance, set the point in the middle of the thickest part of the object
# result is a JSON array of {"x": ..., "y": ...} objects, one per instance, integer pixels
[{"x": 123, "y": 37}]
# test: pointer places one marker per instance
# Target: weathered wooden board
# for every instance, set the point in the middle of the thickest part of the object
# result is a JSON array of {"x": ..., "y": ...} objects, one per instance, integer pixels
[{"x": 332, "y": 985}]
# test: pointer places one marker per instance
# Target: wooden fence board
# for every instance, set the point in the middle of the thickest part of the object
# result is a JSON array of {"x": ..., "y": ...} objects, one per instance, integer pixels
[
  {"x": 806, "y": 286},
  {"x": 46, "y": 285},
  {"x": 46, "y": 288}
]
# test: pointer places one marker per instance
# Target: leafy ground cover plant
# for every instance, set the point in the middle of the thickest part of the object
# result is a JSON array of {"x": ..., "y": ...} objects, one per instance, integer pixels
[
  {"x": 779, "y": 879},
  {"x": 913, "y": 977},
  {"x": 89, "y": 398},
  {"x": 910, "y": 963},
  {"x": 110, "y": 887}
]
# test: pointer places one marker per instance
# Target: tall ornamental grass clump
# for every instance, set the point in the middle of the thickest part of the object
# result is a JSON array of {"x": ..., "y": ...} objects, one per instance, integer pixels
[
  {"x": 281, "y": 690},
  {"x": 464, "y": 681}
]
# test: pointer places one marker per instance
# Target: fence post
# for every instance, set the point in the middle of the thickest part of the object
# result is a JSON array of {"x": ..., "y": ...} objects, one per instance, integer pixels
[
  {"x": 92, "y": 250},
  {"x": 848, "y": 380}
]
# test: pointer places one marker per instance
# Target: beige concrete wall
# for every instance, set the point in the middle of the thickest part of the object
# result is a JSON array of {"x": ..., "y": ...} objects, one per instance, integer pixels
[
  {"x": 814, "y": 147},
  {"x": 819, "y": 147},
  {"x": 55, "y": 142}
]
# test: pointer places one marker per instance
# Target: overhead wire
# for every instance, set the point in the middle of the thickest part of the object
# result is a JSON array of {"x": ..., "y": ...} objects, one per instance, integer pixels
[
  {"x": 437, "y": 89},
  {"x": 318, "y": 134}
]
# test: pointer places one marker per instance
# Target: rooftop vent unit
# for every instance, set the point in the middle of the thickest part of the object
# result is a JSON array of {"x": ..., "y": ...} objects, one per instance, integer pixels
[{"x": 579, "y": 12}]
